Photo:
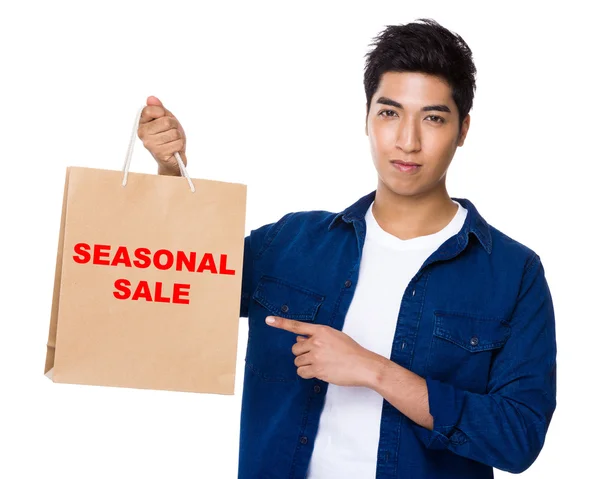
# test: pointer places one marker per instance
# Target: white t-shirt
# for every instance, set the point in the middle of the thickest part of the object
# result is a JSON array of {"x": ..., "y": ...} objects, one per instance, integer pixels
[{"x": 348, "y": 436}]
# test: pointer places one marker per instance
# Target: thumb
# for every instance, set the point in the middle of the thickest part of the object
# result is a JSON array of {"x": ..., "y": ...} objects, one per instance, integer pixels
[{"x": 153, "y": 101}]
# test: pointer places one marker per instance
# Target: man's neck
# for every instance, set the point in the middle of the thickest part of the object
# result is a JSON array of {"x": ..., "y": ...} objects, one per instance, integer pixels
[{"x": 408, "y": 217}]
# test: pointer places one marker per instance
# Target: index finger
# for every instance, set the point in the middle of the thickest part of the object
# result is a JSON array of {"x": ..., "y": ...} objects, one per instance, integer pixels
[{"x": 297, "y": 327}]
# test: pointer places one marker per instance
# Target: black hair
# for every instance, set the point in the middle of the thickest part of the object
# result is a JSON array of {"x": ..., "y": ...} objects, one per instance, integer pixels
[{"x": 425, "y": 47}]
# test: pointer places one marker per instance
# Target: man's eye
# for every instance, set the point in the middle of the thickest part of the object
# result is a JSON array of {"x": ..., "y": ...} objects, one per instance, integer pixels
[
  {"x": 392, "y": 113},
  {"x": 436, "y": 119}
]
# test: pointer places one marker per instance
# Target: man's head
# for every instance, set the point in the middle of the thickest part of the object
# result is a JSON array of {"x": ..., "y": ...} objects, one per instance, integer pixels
[{"x": 419, "y": 82}]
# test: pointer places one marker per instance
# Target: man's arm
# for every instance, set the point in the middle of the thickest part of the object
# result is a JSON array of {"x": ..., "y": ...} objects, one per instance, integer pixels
[
  {"x": 506, "y": 427},
  {"x": 247, "y": 275},
  {"x": 404, "y": 390},
  {"x": 255, "y": 245}
]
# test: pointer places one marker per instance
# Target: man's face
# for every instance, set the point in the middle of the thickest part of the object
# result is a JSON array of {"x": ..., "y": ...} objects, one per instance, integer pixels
[{"x": 413, "y": 118}]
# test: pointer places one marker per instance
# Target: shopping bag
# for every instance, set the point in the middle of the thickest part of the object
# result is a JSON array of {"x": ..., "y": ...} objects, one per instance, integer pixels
[{"x": 148, "y": 281}]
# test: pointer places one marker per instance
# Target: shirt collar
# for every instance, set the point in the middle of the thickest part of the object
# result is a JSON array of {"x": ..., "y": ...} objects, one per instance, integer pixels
[{"x": 474, "y": 223}]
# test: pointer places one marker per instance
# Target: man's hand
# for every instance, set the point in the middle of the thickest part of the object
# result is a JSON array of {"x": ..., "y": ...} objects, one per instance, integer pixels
[
  {"x": 162, "y": 136},
  {"x": 330, "y": 355}
]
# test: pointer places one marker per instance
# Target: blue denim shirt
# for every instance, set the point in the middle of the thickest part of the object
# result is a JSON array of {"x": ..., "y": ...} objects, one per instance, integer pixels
[{"x": 476, "y": 321}]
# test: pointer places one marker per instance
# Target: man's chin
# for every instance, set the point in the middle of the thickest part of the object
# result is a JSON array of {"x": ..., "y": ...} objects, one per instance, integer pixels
[{"x": 400, "y": 188}]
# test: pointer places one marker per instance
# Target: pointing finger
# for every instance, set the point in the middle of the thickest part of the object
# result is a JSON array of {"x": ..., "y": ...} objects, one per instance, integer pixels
[{"x": 297, "y": 327}]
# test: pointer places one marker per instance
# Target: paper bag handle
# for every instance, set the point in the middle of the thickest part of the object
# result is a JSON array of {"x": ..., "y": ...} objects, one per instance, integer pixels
[{"x": 130, "y": 154}]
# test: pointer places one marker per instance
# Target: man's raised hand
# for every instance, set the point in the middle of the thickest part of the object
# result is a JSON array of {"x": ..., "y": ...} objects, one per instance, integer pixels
[{"x": 163, "y": 136}]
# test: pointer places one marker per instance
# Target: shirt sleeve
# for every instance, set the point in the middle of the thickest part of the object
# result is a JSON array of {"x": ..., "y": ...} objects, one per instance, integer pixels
[
  {"x": 246, "y": 276},
  {"x": 255, "y": 244},
  {"x": 506, "y": 427}
]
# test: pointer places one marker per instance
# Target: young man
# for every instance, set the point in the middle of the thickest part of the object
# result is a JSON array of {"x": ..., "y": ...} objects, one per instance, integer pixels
[{"x": 403, "y": 337}]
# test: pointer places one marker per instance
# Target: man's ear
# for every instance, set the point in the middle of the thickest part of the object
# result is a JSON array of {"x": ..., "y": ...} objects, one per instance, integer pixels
[
  {"x": 367, "y": 120},
  {"x": 464, "y": 129}
]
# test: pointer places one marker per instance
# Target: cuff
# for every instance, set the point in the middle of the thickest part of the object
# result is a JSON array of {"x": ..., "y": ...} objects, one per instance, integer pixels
[{"x": 445, "y": 405}]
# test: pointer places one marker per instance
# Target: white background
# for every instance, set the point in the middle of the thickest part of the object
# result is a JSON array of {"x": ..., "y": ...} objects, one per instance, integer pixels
[{"x": 271, "y": 95}]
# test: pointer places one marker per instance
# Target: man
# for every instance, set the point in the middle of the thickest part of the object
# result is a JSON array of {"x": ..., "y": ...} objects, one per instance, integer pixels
[{"x": 403, "y": 337}]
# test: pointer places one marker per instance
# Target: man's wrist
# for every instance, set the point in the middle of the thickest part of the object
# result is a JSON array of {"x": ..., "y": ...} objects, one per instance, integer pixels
[
  {"x": 375, "y": 370},
  {"x": 168, "y": 171}
]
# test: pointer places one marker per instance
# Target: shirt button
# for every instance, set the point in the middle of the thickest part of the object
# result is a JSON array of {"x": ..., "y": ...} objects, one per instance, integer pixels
[
  {"x": 474, "y": 341},
  {"x": 414, "y": 291},
  {"x": 284, "y": 308},
  {"x": 317, "y": 388},
  {"x": 303, "y": 440},
  {"x": 348, "y": 283}
]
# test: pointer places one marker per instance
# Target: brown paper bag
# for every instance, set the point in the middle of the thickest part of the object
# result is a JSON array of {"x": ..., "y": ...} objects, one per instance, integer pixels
[{"x": 148, "y": 281}]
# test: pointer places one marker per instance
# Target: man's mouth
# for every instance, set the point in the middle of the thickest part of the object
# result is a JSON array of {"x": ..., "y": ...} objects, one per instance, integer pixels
[
  {"x": 405, "y": 163},
  {"x": 405, "y": 166}
]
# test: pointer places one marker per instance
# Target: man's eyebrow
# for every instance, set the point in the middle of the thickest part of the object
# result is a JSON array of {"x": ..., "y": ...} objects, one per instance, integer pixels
[{"x": 387, "y": 101}]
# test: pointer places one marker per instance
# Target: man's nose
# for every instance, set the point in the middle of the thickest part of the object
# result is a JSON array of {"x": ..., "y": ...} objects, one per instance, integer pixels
[{"x": 408, "y": 138}]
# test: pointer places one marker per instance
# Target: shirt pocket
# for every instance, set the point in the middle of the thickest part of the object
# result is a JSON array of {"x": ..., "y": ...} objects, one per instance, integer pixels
[
  {"x": 463, "y": 347},
  {"x": 269, "y": 354}
]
